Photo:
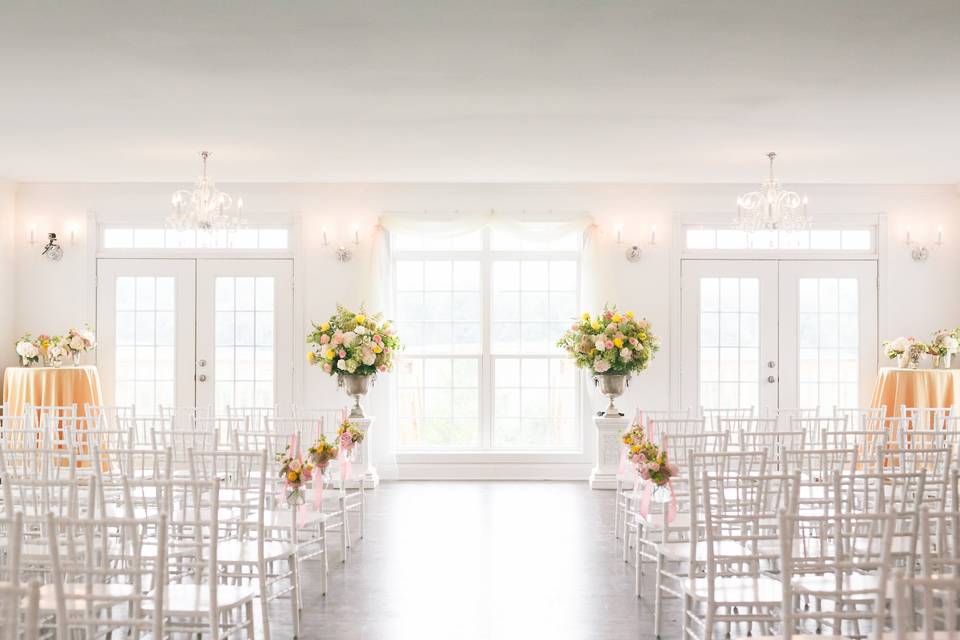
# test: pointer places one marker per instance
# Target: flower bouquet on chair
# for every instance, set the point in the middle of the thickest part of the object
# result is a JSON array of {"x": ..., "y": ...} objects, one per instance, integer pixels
[
  {"x": 296, "y": 473},
  {"x": 652, "y": 468},
  {"x": 349, "y": 437}
]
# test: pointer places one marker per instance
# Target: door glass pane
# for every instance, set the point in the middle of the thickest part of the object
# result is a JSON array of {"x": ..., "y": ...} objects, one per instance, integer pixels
[
  {"x": 829, "y": 342},
  {"x": 729, "y": 342},
  {"x": 244, "y": 337},
  {"x": 146, "y": 342}
]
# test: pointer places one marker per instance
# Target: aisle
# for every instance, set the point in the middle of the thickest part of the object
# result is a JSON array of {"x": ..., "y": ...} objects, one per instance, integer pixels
[{"x": 481, "y": 560}]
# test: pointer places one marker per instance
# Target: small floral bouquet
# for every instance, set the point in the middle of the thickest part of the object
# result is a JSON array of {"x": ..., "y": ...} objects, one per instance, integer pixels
[
  {"x": 653, "y": 465},
  {"x": 353, "y": 343},
  {"x": 349, "y": 436},
  {"x": 79, "y": 341},
  {"x": 28, "y": 350},
  {"x": 944, "y": 343},
  {"x": 51, "y": 349},
  {"x": 898, "y": 346},
  {"x": 296, "y": 473},
  {"x": 322, "y": 452},
  {"x": 610, "y": 342}
]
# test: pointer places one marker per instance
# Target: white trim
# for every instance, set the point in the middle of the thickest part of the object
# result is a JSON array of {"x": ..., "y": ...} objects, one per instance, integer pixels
[{"x": 468, "y": 469}]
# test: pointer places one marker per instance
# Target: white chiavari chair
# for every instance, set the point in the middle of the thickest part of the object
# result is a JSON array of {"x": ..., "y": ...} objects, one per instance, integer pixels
[
  {"x": 927, "y": 417},
  {"x": 671, "y": 542},
  {"x": 35, "y": 413},
  {"x": 111, "y": 415},
  {"x": 930, "y": 439},
  {"x": 783, "y": 414},
  {"x": 183, "y": 417},
  {"x": 670, "y": 414},
  {"x": 84, "y": 434},
  {"x": 728, "y": 553},
  {"x": 934, "y": 617},
  {"x": 324, "y": 421},
  {"x": 813, "y": 427},
  {"x": 19, "y": 611},
  {"x": 180, "y": 441},
  {"x": 117, "y": 464},
  {"x": 307, "y": 430},
  {"x": 257, "y": 415},
  {"x": 143, "y": 426},
  {"x": 936, "y": 461},
  {"x": 17, "y": 432},
  {"x": 223, "y": 427},
  {"x": 939, "y": 547},
  {"x": 713, "y": 416},
  {"x": 674, "y": 427},
  {"x": 737, "y": 426},
  {"x": 11, "y": 546},
  {"x": 196, "y": 601},
  {"x": 862, "y": 418},
  {"x": 101, "y": 579},
  {"x": 775, "y": 442},
  {"x": 38, "y": 464},
  {"x": 247, "y": 554},
  {"x": 869, "y": 445},
  {"x": 842, "y": 559},
  {"x": 819, "y": 465}
]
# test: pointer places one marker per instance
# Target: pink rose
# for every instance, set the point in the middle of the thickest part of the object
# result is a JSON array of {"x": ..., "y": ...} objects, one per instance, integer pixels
[
  {"x": 377, "y": 338},
  {"x": 324, "y": 339},
  {"x": 383, "y": 368},
  {"x": 327, "y": 367},
  {"x": 342, "y": 354},
  {"x": 337, "y": 338},
  {"x": 633, "y": 342},
  {"x": 609, "y": 344}
]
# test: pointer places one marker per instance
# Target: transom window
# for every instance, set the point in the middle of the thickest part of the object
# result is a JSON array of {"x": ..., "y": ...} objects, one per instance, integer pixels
[
  {"x": 160, "y": 238},
  {"x": 480, "y": 314},
  {"x": 700, "y": 237}
]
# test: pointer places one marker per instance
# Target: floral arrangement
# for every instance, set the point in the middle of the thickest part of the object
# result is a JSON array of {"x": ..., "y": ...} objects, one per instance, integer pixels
[
  {"x": 79, "y": 341},
  {"x": 53, "y": 348},
  {"x": 944, "y": 343},
  {"x": 27, "y": 349},
  {"x": 649, "y": 459},
  {"x": 322, "y": 452},
  {"x": 898, "y": 346},
  {"x": 610, "y": 342},
  {"x": 349, "y": 436},
  {"x": 353, "y": 343},
  {"x": 296, "y": 473}
]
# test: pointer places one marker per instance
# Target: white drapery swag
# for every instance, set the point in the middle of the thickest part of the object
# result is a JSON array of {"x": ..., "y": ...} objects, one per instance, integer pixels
[{"x": 378, "y": 292}]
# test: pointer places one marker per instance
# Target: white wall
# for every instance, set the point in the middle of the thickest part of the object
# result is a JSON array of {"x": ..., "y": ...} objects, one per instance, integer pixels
[
  {"x": 51, "y": 296},
  {"x": 7, "y": 270}
]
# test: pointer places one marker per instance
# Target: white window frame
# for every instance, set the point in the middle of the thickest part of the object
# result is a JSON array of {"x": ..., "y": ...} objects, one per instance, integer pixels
[
  {"x": 877, "y": 222},
  {"x": 485, "y": 452}
]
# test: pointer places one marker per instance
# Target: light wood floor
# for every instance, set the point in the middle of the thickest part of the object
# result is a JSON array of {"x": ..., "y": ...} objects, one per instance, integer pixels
[{"x": 480, "y": 560}]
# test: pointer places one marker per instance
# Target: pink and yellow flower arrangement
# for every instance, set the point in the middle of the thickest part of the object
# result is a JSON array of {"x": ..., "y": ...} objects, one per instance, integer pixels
[
  {"x": 650, "y": 461},
  {"x": 348, "y": 436},
  {"x": 353, "y": 343},
  {"x": 296, "y": 473},
  {"x": 322, "y": 452},
  {"x": 610, "y": 342}
]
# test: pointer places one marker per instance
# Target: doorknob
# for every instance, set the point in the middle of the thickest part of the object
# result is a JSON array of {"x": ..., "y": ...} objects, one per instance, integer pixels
[
  {"x": 202, "y": 362},
  {"x": 769, "y": 378},
  {"x": 770, "y": 364},
  {"x": 203, "y": 377}
]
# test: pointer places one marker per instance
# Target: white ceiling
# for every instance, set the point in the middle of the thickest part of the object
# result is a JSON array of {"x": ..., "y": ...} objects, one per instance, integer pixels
[{"x": 501, "y": 90}]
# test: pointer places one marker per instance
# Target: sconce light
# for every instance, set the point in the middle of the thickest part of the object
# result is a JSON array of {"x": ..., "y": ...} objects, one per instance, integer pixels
[
  {"x": 635, "y": 252},
  {"x": 342, "y": 251},
  {"x": 920, "y": 251},
  {"x": 52, "y": 251}
]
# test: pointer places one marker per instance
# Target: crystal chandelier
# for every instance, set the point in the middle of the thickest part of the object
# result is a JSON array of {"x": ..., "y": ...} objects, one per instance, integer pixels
[
  {"x": 772, "y": 208},
  {"x": 205, "y": 208}
]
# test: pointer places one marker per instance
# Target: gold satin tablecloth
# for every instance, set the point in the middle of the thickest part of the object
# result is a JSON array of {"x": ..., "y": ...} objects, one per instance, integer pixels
[
  {"x": 47, "y": 386},
  {"x": 921, "y": 388}
]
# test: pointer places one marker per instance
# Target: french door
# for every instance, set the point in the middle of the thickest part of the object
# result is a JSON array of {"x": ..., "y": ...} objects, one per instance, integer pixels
[
  {"x": 778, "y": 333},
  {"x": 185, "y": 332}
]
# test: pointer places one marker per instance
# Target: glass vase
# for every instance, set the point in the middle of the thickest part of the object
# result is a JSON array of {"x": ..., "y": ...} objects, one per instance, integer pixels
[
  {"x": 76, "y": 359},
  {"x": 914, "y": 358},
  {"x": 296, "y": 496}
]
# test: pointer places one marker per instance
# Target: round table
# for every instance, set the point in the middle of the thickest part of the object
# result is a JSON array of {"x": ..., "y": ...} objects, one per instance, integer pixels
[
  {"x": 921, "y": 388},
  {"x": 51, "y": 386}
]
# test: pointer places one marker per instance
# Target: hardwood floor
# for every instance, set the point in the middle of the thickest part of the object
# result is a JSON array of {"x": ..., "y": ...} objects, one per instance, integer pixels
[{"x": 480, "y": 560}]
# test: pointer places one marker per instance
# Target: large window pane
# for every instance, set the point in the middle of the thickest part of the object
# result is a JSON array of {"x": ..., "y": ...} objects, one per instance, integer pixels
[
  {"x": 439, "y": 402},
  {"x": 829, "y": 324},
  {"x": 729, "y": 342}
]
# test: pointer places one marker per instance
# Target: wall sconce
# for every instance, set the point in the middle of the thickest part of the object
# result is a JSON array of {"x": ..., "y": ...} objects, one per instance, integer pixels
[
  {"x": 635, "y": 252},
  {"x": 920, "y": 251},
  {"x": 342, "y": 251},
  {"x": 52, "y": 251}
]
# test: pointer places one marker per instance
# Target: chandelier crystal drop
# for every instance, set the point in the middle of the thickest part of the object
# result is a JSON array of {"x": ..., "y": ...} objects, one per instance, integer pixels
[
  {"x": 205, "y": 208},
  {"x": 772, "y": 208}
]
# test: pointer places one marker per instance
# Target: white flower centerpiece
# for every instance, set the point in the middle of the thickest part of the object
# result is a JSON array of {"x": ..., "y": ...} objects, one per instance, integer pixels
[
  {"x": 28, "y": 350},
  {"x": 612, "y": 346},
  {"x": 354, "y": 347},
  {"x": 943, "y": 347},
  {"x": 78, "y": 341},
  {"x": 905, "y": 350}
]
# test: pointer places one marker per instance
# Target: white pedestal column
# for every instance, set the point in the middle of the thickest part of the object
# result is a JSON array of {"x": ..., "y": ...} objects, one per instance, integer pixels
[
  {"x": 363, "y": 469},
  {"x": 609, "y": 432}
]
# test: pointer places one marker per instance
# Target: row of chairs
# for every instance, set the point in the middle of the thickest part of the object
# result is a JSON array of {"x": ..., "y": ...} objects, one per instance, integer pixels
[
  {"x": 865, "y": 418},
  {"x": 99, "y": 470}
]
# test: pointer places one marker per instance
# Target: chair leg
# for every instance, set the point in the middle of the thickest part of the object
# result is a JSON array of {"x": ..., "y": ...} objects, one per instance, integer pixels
[
  {"x": 363, "y": 510},
  {"x": 708, "y": 622},
  {"x": 658, "y": 597},
  {"x": 325, "y": 554},
  {"x": 251, "y": 630},
  {"x": 293, "y": 566},
  {"x": 264, "y": 597}
]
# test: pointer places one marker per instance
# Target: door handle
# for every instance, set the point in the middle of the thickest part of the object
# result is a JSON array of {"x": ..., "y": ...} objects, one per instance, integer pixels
[
  {"x": 771, "y": 364},
  {"x": 202, "y": 377},
  {"x": 769, "y": 378},
  {"x": 202, "y": 362}
]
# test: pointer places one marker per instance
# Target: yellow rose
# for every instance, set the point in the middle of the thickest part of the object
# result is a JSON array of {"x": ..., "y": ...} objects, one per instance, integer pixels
[
  {"x": 630, "y": 314},
  {"x": 377, "y": 348},
  {"x": 311, "y": 357},
  {"x": 329, "y": 354},
  {"x": 617, "y": 317},
  {"x": 292, "y": 476},
  {"x": 618, "y": 342},
  {"x": 595, "y": 325},
  {"x": 635, "y": 448},
  {"x": 586, "y": 316},
  {"x": 360, "y": 319},
  {"x": 325, "y": 326}
]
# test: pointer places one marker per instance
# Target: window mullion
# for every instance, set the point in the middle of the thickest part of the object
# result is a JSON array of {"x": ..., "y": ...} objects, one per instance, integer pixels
[{"x": 486, "y": 361}]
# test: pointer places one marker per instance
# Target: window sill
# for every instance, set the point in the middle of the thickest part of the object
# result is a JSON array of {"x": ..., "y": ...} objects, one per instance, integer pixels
[{"x": 491, "y": 457}]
